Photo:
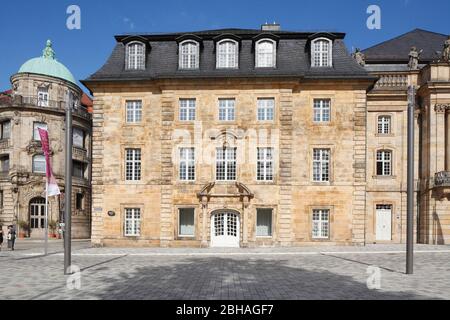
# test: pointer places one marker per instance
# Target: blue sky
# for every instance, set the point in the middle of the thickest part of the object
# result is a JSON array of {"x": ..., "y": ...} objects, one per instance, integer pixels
[{"x": 26, "y": 25}]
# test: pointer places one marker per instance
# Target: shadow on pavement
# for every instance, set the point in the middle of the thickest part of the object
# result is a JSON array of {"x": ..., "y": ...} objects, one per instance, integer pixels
[{"x": 230, "y": 279}]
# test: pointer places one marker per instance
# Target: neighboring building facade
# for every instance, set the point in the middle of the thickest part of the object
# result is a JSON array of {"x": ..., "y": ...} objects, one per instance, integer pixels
[
  {"x": 396, "y": 63},
  {"x": 38, "y": 100},
  {"x": 234, "y": 137}
]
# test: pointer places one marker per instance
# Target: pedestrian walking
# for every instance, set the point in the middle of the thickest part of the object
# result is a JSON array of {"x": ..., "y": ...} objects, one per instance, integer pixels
[{"x": 11, "y": 237}]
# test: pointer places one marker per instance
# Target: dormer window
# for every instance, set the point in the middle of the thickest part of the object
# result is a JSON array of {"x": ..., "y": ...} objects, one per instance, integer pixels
[
  {"x": 227, "y": 54},
  {"x": 321, "y": 53},
  {"x": 266, "y": 54},
  {"x": 135, "y": 56},
  {"x": 189, "y": 55}
]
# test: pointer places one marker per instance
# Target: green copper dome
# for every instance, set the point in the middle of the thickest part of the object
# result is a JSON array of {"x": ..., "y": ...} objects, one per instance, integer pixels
[{"x": 47, "y": 65}]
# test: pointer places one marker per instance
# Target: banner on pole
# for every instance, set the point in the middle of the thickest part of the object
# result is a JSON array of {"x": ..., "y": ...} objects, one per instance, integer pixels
[{"x": 52, "y": 185}]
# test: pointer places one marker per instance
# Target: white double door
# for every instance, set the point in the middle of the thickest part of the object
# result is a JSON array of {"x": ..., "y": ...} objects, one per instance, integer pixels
[
  {"x": 384, "y": 224},
  {"x": 225, "y": 230}
]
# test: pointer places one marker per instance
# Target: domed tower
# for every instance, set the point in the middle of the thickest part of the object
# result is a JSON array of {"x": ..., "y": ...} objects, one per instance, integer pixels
[{"x": 40, "y": 91}]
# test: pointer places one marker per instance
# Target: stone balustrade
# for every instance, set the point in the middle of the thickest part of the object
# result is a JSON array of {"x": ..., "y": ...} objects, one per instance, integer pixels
[
  {"x": 442, "y": 179},
  {"x": 80, "y": 154},
  {"x": 60, "y": 106},
  {"x": 393, "y": 80},
  {"x": 4, "y": 144}
]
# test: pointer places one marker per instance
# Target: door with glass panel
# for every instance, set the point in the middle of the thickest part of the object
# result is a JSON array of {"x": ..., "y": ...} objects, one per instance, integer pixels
[
  {"x": 37, "y": 216},
  {"x": 225, "y": 230}
]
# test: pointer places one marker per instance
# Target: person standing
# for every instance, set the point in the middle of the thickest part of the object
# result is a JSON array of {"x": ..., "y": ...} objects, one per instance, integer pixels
[
  {"x": 11, "y": 237},
  {"x": 1, "y": 237}
]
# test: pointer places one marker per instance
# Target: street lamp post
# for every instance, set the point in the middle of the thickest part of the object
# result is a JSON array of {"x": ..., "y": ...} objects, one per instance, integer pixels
[
  {"x": 410, "y": 200},
  {"x": 68, "y": 189}
]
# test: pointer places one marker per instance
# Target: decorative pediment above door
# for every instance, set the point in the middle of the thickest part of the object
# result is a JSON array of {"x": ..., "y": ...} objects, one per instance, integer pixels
[{"x": 237, "y": 190}]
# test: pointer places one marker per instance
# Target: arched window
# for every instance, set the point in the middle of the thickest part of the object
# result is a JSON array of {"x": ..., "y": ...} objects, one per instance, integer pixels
[
  {"x": 135, "y": 56},
  {"x": 322, "y": 53},
  {"x": 39, "y": 164},
  {"x": 189, "y": 55},
  {"x": 384, "y": 163},
  {"x": 266, "y": 54},
  {"x": 384, "y": 124},
  {"x": 227, "y": 54}
]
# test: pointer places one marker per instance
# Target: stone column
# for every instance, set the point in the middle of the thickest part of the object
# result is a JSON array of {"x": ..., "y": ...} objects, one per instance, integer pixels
[
  {"x": 447, "y": 135},
  {"x": 440, "y": 147}
]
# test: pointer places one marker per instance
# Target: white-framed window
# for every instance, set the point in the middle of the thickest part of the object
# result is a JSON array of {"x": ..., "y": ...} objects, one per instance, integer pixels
[
  {"x": 39, "y": 165},
  {"x": 265, "y": 164},
  {"x": 5, "y": 130},
  {"x": 266, "y": 109},
  {"x": 321, "y": 165},
  {"x": 189, "y": 51},
  {"x": 321, "y": 224},
  {"x": 384, "y": 124},
  {"x": 226, "y": 164},
  {"x": 266, "y": 53},
  {"x": 36, "y": 127},
  {"x": 384, "y": 163},
  {"x": 322, "y": 53},
  {"x": 133, "y": 164},
  {"x": 43, "y": 97},
  {"x": 264, "y": 222},
  {"x": 227, "y": 109},
  {"x": 227, "y": 54},
  {"x": 78, "y": 137},
  {"x": 322, "y": 110},
  {"x": 187, "y": 164},
  {"x": 188, "y": 109},
  {"x": 135, "y": 56},
  {"x": 134, "y": 111},
  {"x": 186, "y": 222},
  {"x": 132, "y": 222}
]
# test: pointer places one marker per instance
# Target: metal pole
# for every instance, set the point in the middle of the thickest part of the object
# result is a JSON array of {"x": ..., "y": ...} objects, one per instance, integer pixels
[
  {"x": 46, "y": 218},
  {"x": 410, "y": 200},
  {"x": 68, "y": 190}
]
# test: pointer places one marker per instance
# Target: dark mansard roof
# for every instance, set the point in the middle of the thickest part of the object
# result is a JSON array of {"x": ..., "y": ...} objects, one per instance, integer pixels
[{"x": 293, "y": 57}]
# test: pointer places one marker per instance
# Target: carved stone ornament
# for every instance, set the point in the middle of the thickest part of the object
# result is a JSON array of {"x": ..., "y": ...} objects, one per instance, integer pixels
[
  {"x": 414, "y": 56},
  {"x": 359, "y": 57},
  {"x": 442, "y": 108},
  {"x": 446, "y": 52}
]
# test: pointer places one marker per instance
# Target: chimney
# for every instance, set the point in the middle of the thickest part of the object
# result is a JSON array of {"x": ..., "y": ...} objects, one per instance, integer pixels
[{"x": 271, "y": 27}]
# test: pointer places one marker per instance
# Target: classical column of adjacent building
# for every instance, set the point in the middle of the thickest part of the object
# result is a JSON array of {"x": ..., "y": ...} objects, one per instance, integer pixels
[
  {"x": 447, "y": 131},
  {"x": 440, "y": 147}
]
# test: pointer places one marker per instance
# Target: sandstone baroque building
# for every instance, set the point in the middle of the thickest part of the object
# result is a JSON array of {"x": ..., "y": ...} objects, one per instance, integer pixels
[
  {"x": 239, "y": 138},
  {"x": 37, "y": 100}
]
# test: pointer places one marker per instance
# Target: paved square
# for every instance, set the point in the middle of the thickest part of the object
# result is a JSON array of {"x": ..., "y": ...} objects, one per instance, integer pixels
[{"x": 253, "y": 274}]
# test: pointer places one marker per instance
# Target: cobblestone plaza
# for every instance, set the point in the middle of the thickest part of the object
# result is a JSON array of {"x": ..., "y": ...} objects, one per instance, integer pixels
[{"x": 230, "y": 274}]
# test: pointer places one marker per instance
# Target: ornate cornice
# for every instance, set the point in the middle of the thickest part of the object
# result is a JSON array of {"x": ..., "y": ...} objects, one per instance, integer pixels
[{"x": 442, "y": 108}]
